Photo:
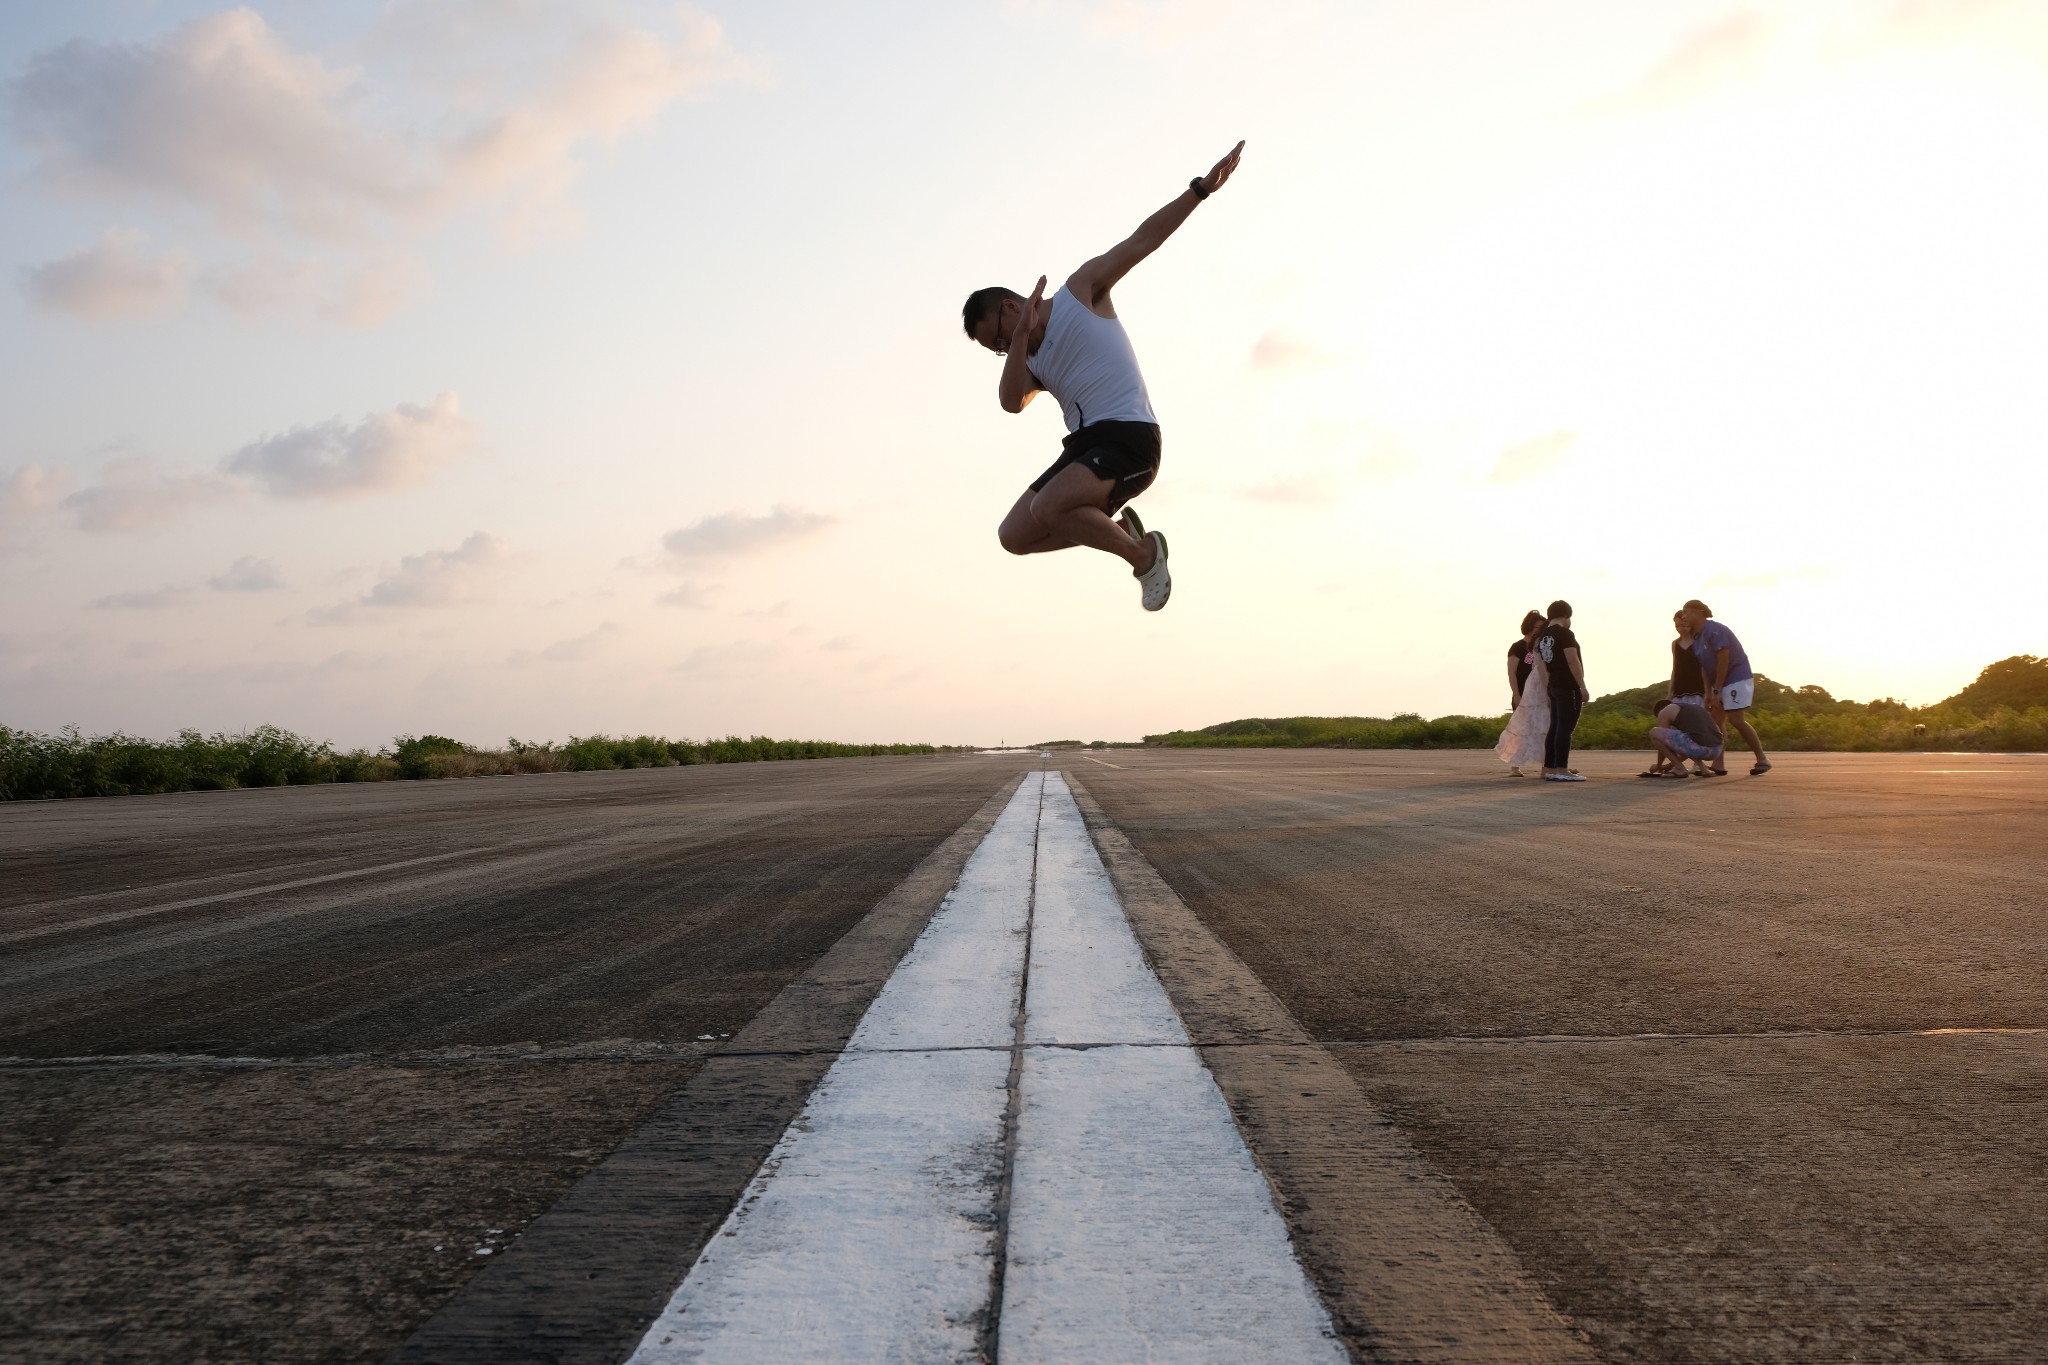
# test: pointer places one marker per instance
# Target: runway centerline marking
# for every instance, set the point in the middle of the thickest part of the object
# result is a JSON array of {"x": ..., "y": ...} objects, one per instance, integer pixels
[{"x": 1135, "y": 1223}]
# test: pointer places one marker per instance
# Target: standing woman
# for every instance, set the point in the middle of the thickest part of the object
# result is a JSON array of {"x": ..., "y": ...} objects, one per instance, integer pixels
[
  {"x": 1522, "y": 741},
  {"x": 1688, "y": 680}
]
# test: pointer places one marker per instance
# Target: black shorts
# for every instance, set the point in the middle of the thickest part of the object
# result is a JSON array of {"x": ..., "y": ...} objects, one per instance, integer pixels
[{"x": 1127, "y": 453}]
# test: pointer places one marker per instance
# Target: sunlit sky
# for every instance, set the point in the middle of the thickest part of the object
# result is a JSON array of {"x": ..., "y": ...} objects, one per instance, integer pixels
[{"x": 529, "y": 367}]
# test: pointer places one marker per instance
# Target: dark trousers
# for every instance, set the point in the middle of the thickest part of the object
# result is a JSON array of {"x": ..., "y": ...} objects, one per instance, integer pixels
[{"x": 1564, "y": 718}]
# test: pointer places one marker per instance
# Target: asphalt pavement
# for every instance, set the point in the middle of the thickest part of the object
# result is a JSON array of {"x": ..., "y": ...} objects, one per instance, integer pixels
[
  {"x": 1733, "y": 1069},
  {"x": 1743, "y": 1069},
  {"x": 284, "y": 1069}
]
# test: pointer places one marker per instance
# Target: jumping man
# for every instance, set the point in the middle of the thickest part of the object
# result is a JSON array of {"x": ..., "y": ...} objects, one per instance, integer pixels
[{"x": 1073, "y": 347}]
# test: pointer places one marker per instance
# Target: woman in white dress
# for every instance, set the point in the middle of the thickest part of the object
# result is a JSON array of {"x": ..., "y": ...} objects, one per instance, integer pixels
[{"x": 1522, "y": 741}]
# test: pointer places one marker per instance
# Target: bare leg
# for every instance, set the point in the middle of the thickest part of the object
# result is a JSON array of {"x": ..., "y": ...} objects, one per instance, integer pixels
[
  {"x": 1070, "y": 508},
  {"x": 1749, "y": 735},
  {"x": 1022, "y": 534}
]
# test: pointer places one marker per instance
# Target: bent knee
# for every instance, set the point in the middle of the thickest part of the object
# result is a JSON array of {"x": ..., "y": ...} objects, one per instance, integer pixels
[{"x": 1015, "y": 543}]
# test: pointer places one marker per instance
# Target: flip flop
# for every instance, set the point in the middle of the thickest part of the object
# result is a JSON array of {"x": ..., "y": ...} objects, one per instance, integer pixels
[{"x": 1760, "y": 769}]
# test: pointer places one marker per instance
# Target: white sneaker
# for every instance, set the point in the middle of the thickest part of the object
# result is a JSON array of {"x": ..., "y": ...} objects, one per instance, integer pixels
[{"x": 1156, "y": 582}]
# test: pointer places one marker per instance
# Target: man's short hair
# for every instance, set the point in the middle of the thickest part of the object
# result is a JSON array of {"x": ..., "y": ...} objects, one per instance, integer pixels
[
  {"x": 981, "y": 303},
  {"x": 1531, "y": 621},
  {"x": 1702, "y": 608},
  {"x": 1560, "y": 608}
]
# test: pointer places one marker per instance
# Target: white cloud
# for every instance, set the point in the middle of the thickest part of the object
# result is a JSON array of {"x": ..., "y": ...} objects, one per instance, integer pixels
[
  {"x": 384, "y": 451},
  {"x": 218, "y": 112},
  {"x": 1707, "y": 59},
  {"x": 735, "y": 533},
  {"x": 580, "y": 647},
  {"x": 223, "y": 115},
  {"x": 695, "y": 596},
  {"x": 1313, "y": 488},
  {"x": 351, "y": 293},
  {"x": 531, "y": 91},
  {"x": 141, "y": 599},
  {"x": 132, "y": 493},
  {"x": 440, "y": 578},
  {"x": 116, "y": 278},
  {"x": 25, "y": 495},
  {"x": 247, "y": 574},
  {"x": 1161, "y": 25},
  {"x": 1530, "y": 458},
  {"x": 1282, "y": 351}
]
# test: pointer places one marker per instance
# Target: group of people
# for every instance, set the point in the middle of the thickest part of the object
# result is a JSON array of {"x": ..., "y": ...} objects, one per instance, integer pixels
[{"x": 1712, "y": 687}]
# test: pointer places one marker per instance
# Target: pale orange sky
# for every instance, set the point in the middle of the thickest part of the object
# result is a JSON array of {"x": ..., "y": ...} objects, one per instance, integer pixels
[{"x": 551, "y": 368}]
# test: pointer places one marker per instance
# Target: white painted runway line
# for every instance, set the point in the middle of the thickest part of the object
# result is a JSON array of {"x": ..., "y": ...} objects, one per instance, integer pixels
[{"x": 1138, "y": 1225}]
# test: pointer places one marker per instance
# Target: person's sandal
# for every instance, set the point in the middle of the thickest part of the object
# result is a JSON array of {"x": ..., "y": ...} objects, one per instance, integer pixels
[
  {"x": 1128, "y": 519},
  {"x": 1156, "y": 582},
  {"x": 1760, "y": 769}
]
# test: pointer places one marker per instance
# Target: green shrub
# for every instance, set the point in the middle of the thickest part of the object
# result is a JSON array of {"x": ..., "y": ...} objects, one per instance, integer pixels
[
  {"x": 415, "y": 756},
  {"x": 38, "y": 766}
]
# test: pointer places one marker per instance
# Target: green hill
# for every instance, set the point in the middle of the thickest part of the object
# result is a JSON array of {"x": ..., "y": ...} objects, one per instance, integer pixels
[{"x": 2004, "y": 710}]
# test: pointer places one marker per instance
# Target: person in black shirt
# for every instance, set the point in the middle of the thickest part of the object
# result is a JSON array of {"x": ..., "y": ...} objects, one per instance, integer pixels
[
  {"x": 1564, "y": 678},
  {"x": 1688, "y": 681}
]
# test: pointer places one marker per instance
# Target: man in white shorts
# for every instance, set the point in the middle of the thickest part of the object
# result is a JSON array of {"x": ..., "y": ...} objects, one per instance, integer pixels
[
  {"x": 1731, "y": 682},
  {"x": 1073, "y": 347}
]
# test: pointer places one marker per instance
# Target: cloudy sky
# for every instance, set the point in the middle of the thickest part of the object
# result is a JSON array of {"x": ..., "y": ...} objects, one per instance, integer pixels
[{"x": 532, "y": 367}]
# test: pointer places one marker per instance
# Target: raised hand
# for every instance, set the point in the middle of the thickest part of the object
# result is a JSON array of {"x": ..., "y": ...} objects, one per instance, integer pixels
[
  {"x": 1220, "y": 172},
  {"x": 1028, "y": 315}
]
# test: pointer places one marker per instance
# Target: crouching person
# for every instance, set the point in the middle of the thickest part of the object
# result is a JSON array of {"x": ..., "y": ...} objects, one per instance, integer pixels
[{"x": 1684, "y": 731}]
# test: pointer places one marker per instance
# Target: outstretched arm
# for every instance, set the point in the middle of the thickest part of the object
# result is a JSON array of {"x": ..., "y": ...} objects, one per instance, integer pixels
[{"x": 1092, "y": 282}]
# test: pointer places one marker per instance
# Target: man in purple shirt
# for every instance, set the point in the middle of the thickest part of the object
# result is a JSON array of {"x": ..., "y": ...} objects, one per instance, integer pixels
[{"x": 1731, "y": 683}]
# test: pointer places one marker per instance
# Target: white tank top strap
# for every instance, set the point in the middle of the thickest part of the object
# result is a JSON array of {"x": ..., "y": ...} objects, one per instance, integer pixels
[{"x": 1086, "y": 361}]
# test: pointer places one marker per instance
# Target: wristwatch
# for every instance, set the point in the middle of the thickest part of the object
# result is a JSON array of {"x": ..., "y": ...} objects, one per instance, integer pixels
[{"x": 1196, "y": 186}]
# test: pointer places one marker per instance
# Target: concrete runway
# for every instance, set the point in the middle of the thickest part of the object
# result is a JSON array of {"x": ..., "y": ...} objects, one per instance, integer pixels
[
  {"x": 1838, "y": 1150},
  {"x": 284, "y": 1102},
  {"x": 1729, "y": 1070}
]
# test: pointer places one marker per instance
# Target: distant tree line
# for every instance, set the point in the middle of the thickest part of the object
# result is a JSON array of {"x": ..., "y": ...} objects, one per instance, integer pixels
[
  {"x": 39, "y": 766},
  {"x": 2004, "y": 711}
]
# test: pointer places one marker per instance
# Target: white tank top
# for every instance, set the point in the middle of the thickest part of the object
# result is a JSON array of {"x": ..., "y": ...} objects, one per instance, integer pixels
[{"x": 1086, "y": 362}]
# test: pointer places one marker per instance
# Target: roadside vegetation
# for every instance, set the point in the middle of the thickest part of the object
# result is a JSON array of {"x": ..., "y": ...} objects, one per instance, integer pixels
[
  {"x": 2004, "y": 711},
  {"x": 41, "y": 766}
]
